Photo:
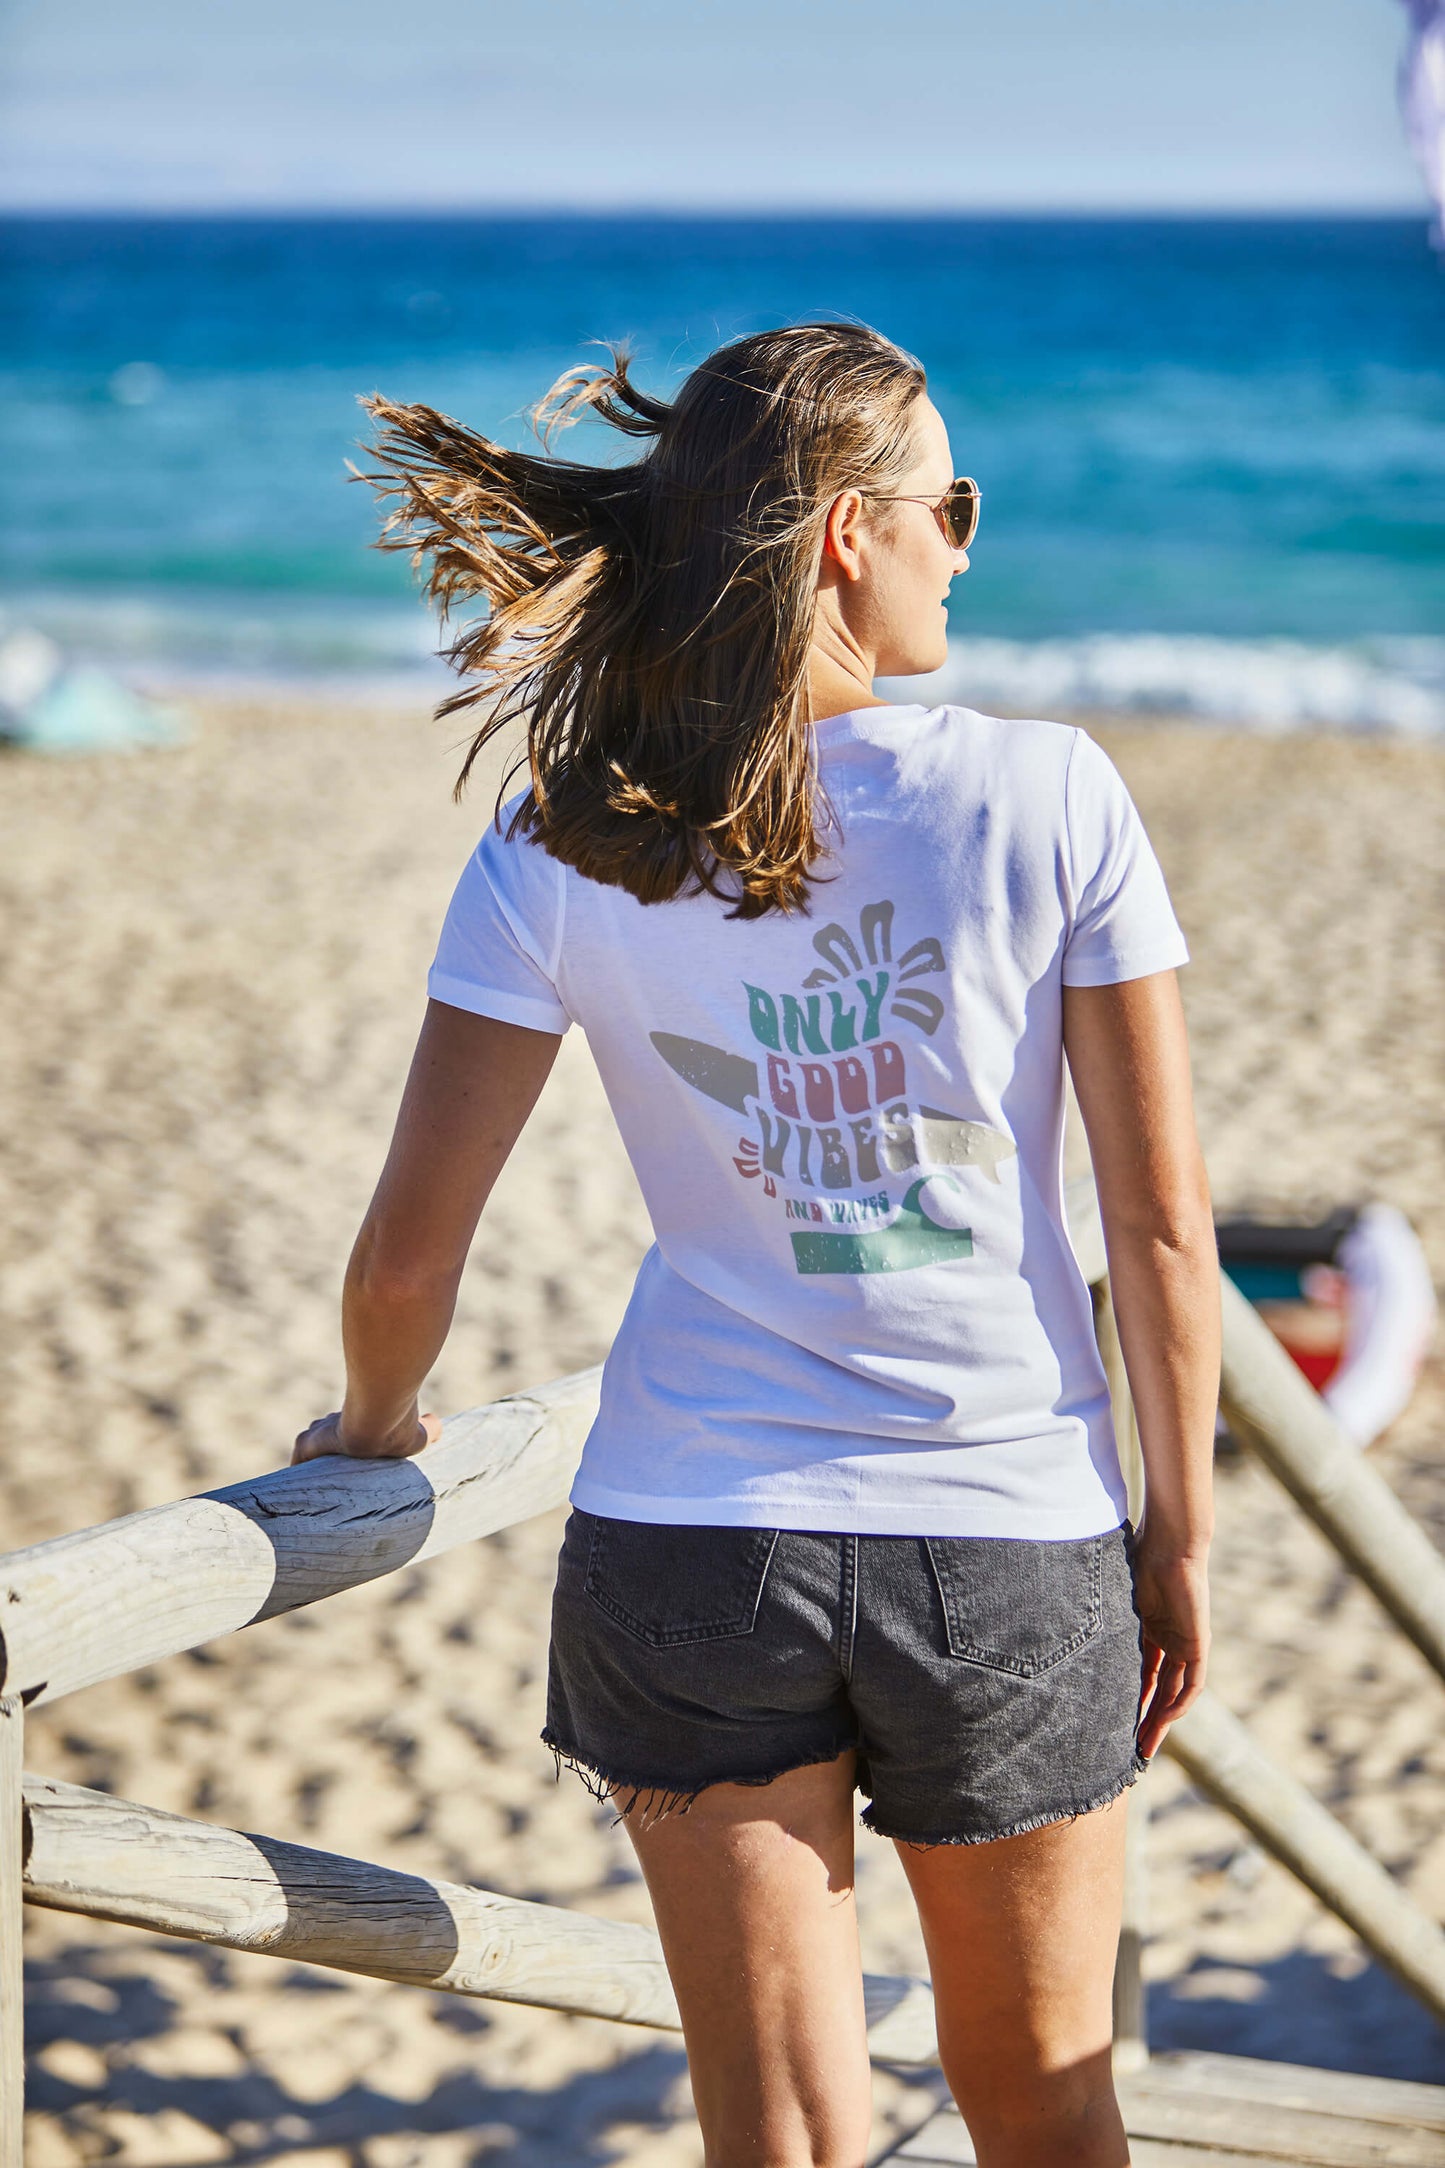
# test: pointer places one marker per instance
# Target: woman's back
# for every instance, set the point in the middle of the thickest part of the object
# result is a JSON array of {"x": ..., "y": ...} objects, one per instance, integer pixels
[
  {"x": 847, "y": 1126},
  {"x": 849, "y": 1518}
]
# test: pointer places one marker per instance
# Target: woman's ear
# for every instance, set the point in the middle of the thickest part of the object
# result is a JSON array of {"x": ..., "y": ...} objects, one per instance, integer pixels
[{"x": 840, "y": 536}]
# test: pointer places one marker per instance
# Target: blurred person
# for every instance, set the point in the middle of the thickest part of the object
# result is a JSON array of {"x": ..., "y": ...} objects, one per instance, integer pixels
[{"x": 850, "y": 1517}]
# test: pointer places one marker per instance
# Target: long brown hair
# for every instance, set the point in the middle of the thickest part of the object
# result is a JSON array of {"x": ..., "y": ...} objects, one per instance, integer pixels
[{"x": 652, "y": 621}]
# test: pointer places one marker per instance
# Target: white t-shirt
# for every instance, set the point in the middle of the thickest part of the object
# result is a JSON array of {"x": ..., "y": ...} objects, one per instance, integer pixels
[{"x": 861, "y": 1312}]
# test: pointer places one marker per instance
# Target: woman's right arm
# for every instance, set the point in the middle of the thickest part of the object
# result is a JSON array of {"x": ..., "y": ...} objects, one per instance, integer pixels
[
  {"x": 473, "y": 1083},
  {"x": 1129, "y": 1058}
]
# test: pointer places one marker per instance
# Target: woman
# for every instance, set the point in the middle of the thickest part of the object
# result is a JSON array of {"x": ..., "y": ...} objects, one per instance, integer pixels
[{"x": 851, "y": 1514}]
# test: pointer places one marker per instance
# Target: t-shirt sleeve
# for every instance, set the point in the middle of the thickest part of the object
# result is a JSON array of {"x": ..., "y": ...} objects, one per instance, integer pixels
[
  {"x": 501, "y": 940},
  {"x": 1122, "y": 924}
]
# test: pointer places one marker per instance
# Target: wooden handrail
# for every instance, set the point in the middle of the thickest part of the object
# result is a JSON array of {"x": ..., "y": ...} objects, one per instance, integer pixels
[
  {"x": 176, "y": 1576},
  {"x": 105, "y": 1601},
  {"x": 1273, "y": 1410},
  {"x": 1218, "y": 1754},
  {"x": 110, "y": 1859},
  {"x": 181, "y": 1574}
]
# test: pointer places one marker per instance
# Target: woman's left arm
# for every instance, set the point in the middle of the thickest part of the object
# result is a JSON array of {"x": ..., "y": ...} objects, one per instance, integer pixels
[
  {"x": 473, "y": 1083},
  {"x": 1129, "y": 1057}
]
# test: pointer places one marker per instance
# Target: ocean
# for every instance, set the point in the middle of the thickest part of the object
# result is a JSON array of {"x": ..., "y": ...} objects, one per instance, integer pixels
[{"x": 1212, "y": 452}]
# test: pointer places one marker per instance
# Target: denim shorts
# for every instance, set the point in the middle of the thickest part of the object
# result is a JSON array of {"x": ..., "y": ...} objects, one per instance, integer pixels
[{"x": 987, "y": 1685}]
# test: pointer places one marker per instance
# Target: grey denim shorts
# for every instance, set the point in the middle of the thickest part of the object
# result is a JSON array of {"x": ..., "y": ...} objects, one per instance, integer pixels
[{"x": 987, "y": 1685}]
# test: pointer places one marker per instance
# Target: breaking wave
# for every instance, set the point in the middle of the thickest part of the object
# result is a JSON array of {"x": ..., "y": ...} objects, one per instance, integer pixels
[
  {"x": 1394, "y": 686},
  {"x": 1387, "y": 685}
]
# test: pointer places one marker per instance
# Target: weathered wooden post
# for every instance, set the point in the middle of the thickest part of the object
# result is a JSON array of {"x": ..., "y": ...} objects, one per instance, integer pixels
[
  {"x": 1219, "y": 1755},
  {"x": 12, "y": 1982},
  {"x": 1272, "y": 1409},
  {"x": 1131, "y": 2001}
]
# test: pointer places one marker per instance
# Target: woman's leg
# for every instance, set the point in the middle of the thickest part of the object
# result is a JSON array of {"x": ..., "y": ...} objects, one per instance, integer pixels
[
  {"x": 753, "y": 1891},
  {"x": 1021, "y": 1937}
]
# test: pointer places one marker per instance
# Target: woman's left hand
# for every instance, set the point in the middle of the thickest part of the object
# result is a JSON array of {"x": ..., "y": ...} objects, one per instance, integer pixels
[
  {"x": 329, "y": 1436},
  {"x": 1171, "y": 1595}
]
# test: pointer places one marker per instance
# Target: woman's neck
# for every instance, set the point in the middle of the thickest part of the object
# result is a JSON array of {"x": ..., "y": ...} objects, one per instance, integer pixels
[{"x": 836, "y": 688}]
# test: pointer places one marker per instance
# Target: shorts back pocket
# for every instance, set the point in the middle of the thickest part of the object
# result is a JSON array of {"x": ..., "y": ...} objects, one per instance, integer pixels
[
  {"x": 1016, "y": 1605},
  {"x": 670, "y": 1586}
]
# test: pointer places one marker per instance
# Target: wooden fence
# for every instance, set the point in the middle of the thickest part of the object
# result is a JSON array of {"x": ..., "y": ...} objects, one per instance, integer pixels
[{"x": 111, "y": 1599}]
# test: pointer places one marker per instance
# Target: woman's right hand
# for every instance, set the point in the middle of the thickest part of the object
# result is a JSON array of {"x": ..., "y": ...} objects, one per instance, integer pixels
[
  {"x": 328, "y": 1435},
  {"x": 1171, "y": 1594}
]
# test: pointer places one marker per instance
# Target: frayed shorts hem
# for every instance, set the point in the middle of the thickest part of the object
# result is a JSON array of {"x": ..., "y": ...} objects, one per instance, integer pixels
[
  {"x": 881, "y": 1827},
  {"x": 652, "y": 1797},
  {"x": 606, "y": 1784}
]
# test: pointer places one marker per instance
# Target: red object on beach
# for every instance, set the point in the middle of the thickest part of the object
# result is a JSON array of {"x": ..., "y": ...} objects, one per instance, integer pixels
[
  {"x": 1349, "y": 1298},
  {"x": 1318, "y": 1364}
]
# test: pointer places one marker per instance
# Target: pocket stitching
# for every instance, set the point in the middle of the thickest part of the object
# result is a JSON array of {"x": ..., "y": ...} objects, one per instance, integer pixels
[
  {"x": 991, "y": 1659},
  {"x": 663, "y": 1637}
]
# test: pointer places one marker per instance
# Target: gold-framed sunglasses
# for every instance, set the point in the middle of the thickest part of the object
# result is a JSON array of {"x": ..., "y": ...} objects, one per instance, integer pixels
[{"x": 956, "y": 510}]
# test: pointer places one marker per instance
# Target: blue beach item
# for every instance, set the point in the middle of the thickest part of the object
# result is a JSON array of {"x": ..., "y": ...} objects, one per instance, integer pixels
[{"x": 88, "y": 711}]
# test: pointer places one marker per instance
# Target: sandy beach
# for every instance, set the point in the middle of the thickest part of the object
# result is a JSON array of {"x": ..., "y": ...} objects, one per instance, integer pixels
[{"x": 211, "y": 979}]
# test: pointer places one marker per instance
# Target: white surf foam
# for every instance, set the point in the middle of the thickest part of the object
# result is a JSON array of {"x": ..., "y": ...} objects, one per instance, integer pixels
[
  {"x": 1388, "y": 685},
  {"x": 252, "y": 638},
  {"x": 1394, "y": 686}
]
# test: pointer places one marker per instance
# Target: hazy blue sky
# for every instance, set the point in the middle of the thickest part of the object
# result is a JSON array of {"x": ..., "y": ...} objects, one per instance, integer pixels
[{"x": 954, "y": 103}]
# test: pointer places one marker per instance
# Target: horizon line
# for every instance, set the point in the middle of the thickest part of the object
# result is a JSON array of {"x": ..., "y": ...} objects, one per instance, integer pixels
[{"x": 642, "y": 208}]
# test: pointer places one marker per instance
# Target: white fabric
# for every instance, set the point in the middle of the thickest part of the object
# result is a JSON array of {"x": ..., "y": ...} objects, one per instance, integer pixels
[
  {"x": 1389, "y": 1322},
  {"x": 1422, "y": 100},
  {"x": 861, "y": 1312}
]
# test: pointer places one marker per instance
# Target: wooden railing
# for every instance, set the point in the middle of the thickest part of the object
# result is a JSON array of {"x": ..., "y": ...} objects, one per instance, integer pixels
[{"x": 108, "y": 1600}]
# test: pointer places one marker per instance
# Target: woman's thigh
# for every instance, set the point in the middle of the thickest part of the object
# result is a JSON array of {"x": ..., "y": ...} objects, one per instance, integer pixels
[
  {"x": 753, "y": 1890},
  {"x": 1022, "y": 1935}
]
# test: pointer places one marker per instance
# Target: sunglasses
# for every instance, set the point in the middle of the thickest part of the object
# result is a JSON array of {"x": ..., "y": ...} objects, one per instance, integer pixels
[{"x": 956, "y": 510}]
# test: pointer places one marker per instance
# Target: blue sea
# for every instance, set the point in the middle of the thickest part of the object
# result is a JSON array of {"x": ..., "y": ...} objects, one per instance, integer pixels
[{"x": 1212, "y": 452}]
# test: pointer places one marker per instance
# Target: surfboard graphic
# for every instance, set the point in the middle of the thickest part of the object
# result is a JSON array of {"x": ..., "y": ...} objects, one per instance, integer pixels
[
  {"x": 729, "y": 1078},
  {"x": 945, "y": 1140}
]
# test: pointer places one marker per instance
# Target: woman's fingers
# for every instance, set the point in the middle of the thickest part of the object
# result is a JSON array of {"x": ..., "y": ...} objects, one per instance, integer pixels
[
  {"x": 1173, "y": 1684},
  {"x": 316, "y": 1439},
  {"x": 1154, "y": 1667},
  {"x": 1155, "y": 1720},
  {"x": 324, "y": 1437}
]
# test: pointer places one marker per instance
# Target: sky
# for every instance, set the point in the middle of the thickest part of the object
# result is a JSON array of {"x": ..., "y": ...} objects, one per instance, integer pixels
[{"x": 1088, "y": 105}]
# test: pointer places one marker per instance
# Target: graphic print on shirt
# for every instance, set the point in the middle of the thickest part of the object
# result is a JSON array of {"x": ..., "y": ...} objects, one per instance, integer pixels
[{"x": 833, "y": 1130}]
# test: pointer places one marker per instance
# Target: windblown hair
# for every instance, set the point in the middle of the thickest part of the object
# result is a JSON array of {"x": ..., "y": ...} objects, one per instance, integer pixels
[{"x": 651, "y": 622}]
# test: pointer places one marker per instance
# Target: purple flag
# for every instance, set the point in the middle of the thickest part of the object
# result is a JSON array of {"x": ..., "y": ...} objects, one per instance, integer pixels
[{"x": 1422, "y": 100}]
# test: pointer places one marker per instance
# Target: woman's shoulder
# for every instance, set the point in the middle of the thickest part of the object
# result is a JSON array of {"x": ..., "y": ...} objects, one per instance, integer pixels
[
  {"x": 512, "y": 861},
  {"x": 1000, "y": 754},
  {"x": 1049, "y": 781},
  {"x": 1009, "y": 737}
]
